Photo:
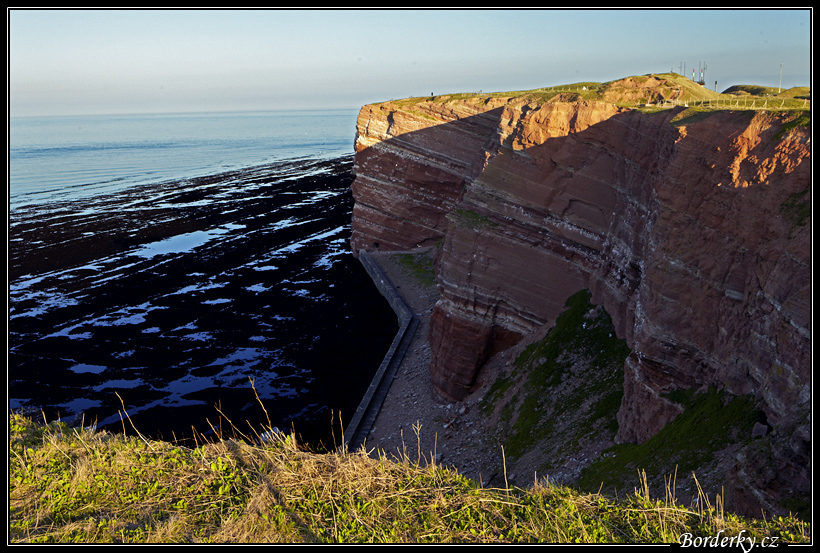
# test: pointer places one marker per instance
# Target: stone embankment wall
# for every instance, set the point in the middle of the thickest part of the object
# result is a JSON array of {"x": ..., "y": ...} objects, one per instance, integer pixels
[{"x": 365, "y": 415}]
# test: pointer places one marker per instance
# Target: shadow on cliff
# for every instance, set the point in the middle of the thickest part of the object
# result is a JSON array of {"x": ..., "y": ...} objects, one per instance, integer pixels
[
  {"x": 541, "y": 217},
  {"x": 406, "y": 185},
  {"x": 647, "y": 216},
  {"x": 597, "y": 207}
]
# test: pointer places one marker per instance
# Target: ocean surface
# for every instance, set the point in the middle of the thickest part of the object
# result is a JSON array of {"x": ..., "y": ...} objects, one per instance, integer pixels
[
  {"x": 56, "y": 158},
  {"x": 189, "y": 274}
]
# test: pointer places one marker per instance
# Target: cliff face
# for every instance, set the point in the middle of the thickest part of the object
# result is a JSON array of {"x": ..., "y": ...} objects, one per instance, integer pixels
[{"x": 691, "y": 231}]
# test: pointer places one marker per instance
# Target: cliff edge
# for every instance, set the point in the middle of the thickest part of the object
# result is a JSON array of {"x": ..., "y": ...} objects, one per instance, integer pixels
[{"x": 690, "y": 227}]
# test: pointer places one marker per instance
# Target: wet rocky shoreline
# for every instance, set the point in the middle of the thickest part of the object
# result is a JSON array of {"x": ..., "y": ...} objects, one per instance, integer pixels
[{"x": 165, "y": 302}]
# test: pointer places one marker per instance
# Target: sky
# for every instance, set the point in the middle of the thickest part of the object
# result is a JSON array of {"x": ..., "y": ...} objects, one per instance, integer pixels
[{"x": 70, "y": 62}]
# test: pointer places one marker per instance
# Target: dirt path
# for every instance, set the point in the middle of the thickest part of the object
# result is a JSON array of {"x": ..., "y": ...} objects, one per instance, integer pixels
[{"x": 411, "y": 422}]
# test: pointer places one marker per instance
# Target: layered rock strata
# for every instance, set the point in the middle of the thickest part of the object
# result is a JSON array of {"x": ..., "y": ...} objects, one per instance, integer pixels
[{"x": 692, "y": 231}]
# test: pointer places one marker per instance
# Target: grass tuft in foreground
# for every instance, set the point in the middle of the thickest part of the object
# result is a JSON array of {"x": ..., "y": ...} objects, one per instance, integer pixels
[{"x": 73, "y": 485}]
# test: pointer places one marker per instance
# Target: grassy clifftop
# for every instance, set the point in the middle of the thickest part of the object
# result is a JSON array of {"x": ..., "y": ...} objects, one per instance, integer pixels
[
  {"x": 74, "y": 485},
  {"x": 660, "y": 89}
]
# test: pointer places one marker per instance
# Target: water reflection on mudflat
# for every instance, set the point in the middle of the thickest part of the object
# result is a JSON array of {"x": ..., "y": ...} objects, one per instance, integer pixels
[{"x": 170, "y": 299}]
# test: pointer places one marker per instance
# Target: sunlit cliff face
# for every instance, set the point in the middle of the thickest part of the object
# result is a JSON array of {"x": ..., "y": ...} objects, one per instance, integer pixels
[{"x": 690, "y": 231}]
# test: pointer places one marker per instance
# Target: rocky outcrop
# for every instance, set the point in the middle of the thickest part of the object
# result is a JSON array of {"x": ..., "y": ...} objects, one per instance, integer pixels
[{"x": 690, "y": 228}]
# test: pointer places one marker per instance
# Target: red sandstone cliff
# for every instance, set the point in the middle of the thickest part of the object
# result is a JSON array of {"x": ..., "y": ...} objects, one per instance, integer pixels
[{"x": 693, "y": 233}]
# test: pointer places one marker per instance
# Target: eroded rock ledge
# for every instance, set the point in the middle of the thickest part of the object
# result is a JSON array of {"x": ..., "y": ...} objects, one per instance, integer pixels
[{"x": 693, "y": 232}]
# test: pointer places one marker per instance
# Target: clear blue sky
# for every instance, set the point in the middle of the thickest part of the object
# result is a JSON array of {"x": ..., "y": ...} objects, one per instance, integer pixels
[{"x": 123, "y": 61}]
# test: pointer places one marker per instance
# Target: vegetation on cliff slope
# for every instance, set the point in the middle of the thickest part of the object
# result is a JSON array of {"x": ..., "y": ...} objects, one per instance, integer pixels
[
  {"x": 575, "y": 372},
  {"x": 555, "y": 410},
  {"x": 75, "y": 485}
]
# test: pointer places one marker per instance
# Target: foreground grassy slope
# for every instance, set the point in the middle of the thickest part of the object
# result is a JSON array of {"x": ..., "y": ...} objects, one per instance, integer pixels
[{"x": 73, "y": 485}]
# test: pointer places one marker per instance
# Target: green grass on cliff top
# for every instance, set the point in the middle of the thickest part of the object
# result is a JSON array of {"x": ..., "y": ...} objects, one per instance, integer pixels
[
  {"x": 693, "y": 94},
  {"x": 72, "y": 485}
]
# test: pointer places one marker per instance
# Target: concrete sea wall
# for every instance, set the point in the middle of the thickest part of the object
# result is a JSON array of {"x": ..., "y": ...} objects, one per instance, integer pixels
[{"x": 362, "y": 421}]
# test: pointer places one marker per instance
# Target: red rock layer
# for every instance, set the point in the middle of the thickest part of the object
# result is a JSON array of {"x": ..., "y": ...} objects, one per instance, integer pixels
[{"x": 689, "y": 233}]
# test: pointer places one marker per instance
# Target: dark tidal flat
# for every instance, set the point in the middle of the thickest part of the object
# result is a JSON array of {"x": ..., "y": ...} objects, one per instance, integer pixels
[{"x": 169, "y": 299}]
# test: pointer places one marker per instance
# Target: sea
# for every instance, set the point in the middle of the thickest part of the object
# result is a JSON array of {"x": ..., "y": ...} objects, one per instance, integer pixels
[{"x": 188, "y": 275}]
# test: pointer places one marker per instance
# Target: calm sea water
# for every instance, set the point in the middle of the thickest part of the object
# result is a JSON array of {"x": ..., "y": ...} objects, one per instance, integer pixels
[
  {"x": 161, "y": 264},
  {"x": 58, "y": 158}
]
